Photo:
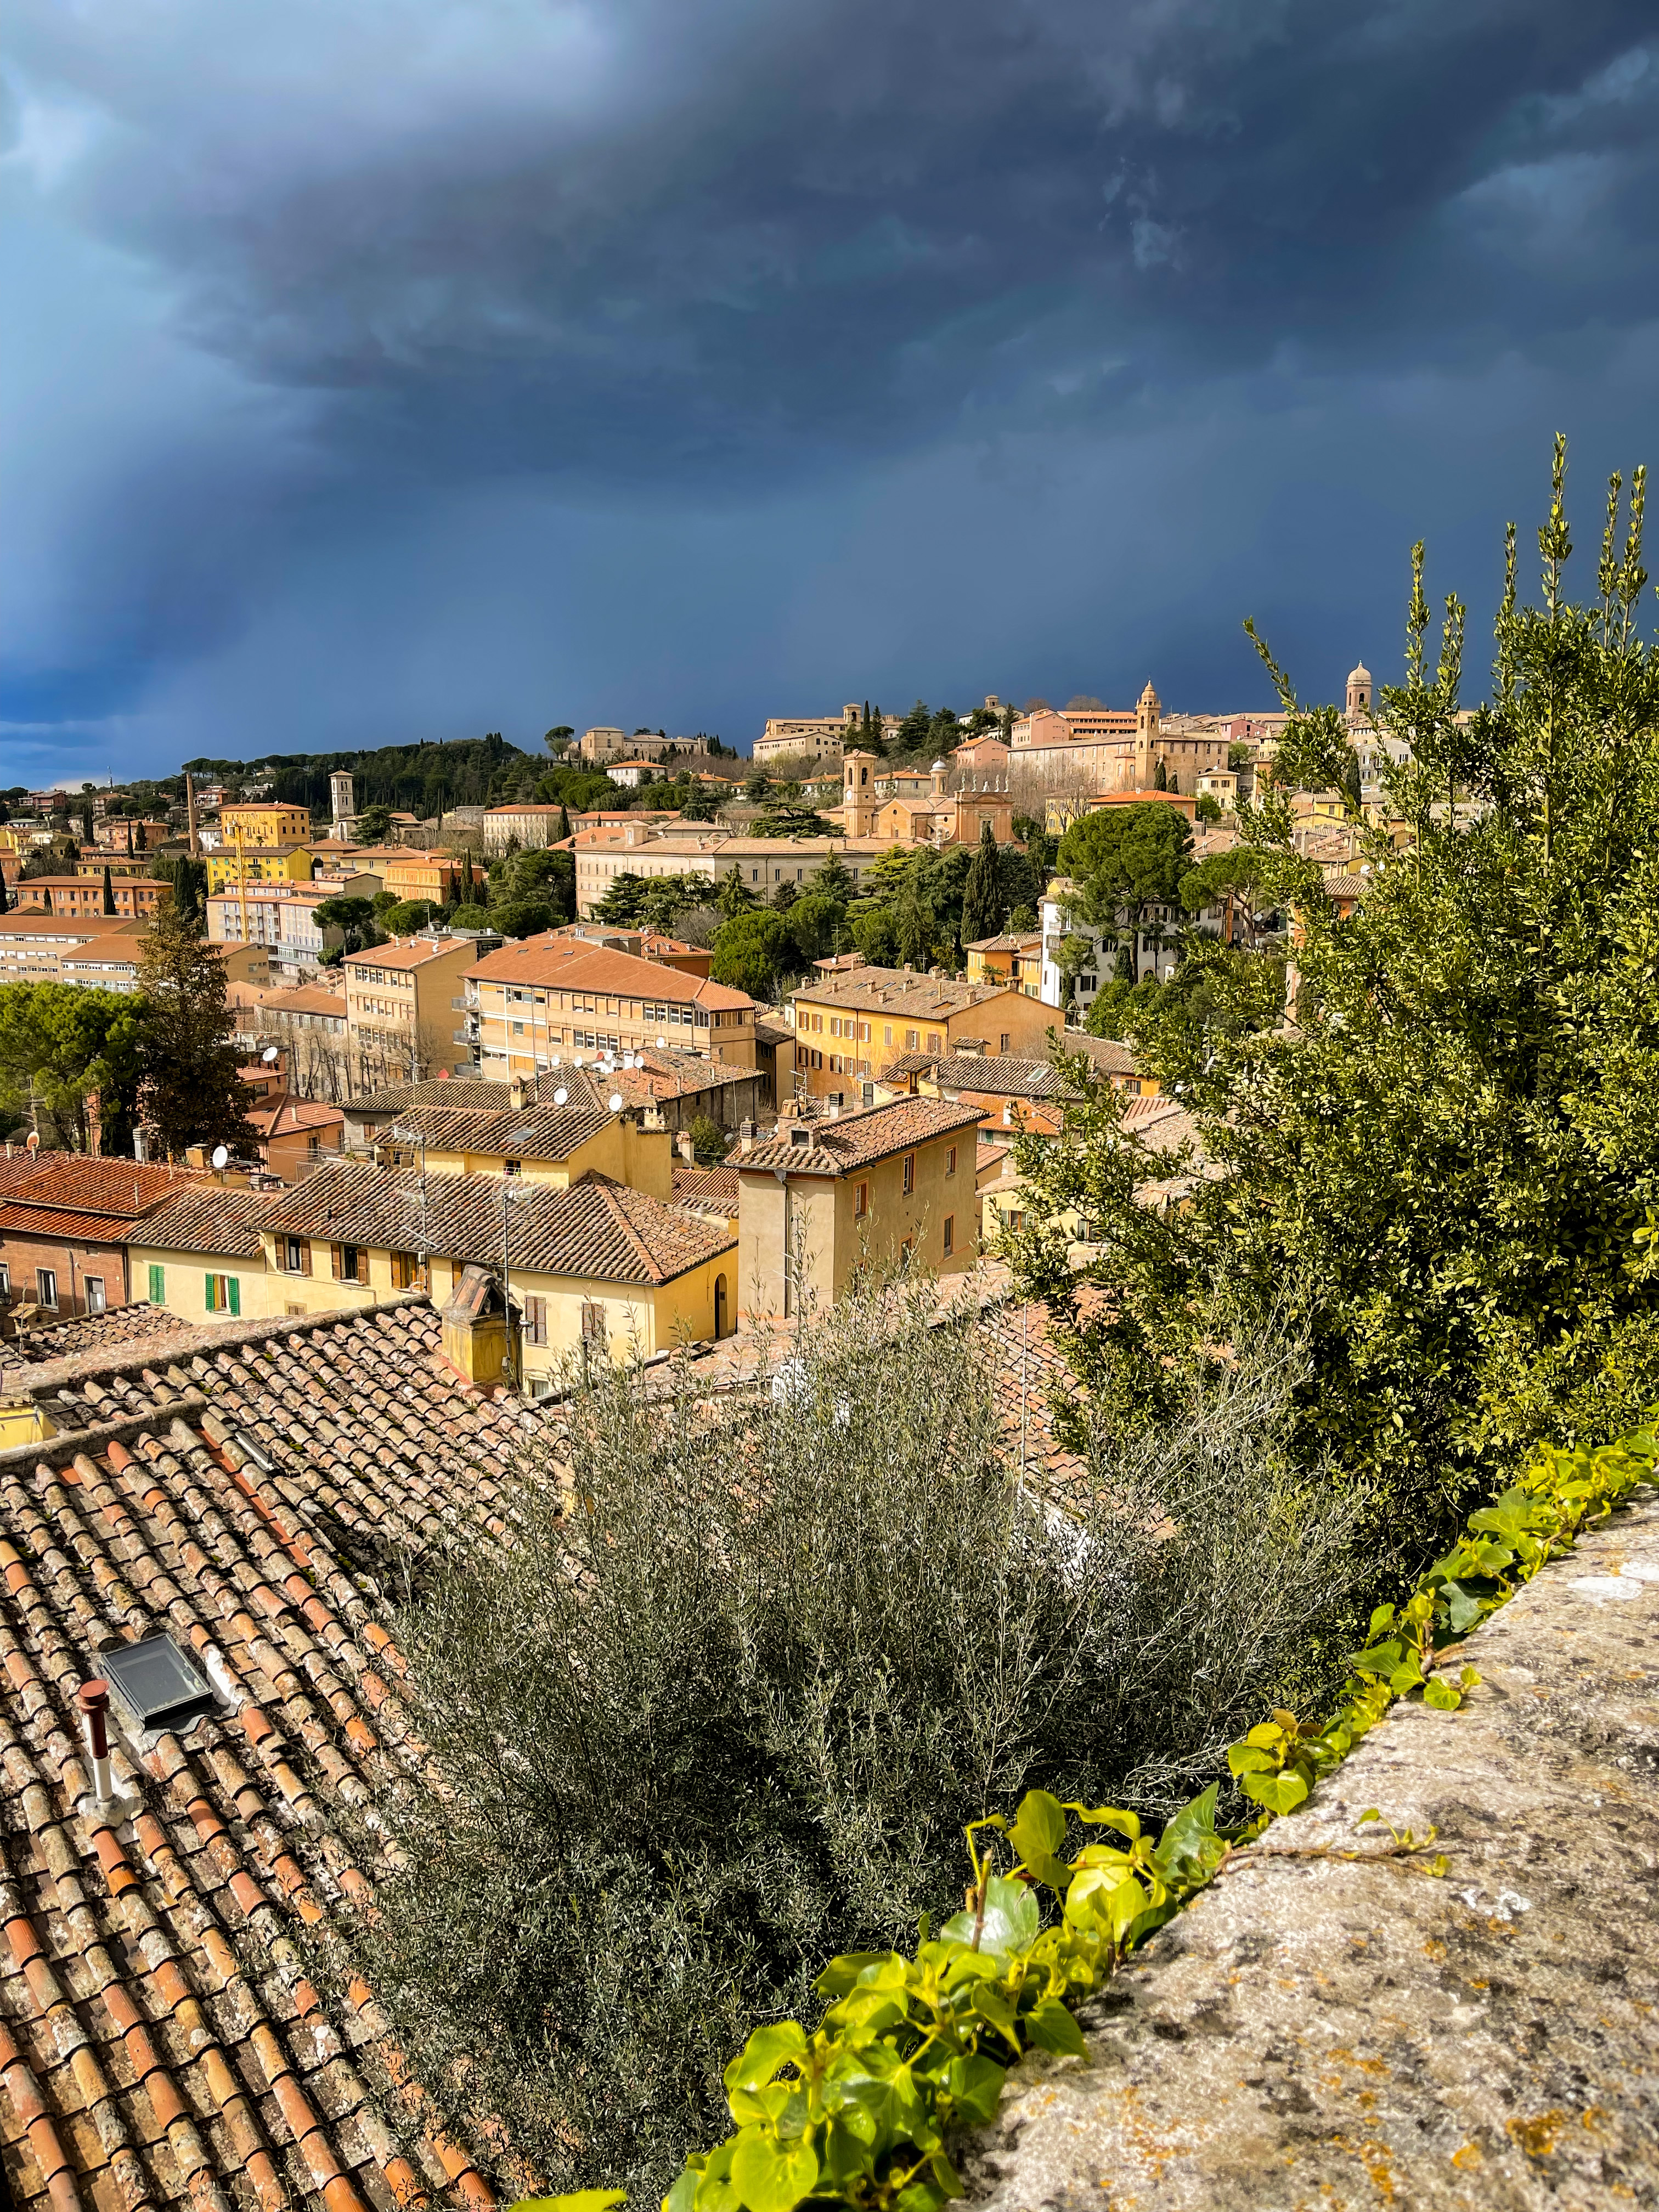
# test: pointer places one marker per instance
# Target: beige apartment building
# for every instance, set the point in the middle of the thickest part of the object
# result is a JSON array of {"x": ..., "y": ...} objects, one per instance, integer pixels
[
  {"x": 885, "y": 1186},
  {"x": 400, "y": 1007},
  {"x": 855, "y": 1020},
  {"x": 551, "y": 998},
  {"x": 32, "y": 945},
  {"x": 540, "y": 1141},
  {"x": 763, "y": 862}
]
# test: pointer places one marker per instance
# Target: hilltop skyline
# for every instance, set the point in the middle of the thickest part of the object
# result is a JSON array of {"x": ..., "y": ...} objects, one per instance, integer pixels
[{"x": 592, "y": 367}]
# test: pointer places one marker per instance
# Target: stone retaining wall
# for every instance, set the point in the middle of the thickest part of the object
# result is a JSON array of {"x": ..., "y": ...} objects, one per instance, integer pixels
[{"x": 1317, "y": 2032}]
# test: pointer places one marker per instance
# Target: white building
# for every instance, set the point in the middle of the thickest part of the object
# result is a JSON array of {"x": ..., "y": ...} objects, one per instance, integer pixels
[
  {"x": 1156, "y": 944},
  {"x": 280, "y": 917}
]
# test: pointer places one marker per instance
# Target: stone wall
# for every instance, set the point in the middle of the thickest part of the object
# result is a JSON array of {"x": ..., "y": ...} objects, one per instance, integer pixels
[{"x": 1326, "y": 2031}]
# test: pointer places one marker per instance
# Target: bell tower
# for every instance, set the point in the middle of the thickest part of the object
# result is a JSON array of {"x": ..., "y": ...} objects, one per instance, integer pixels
[
  {"x": 1148, "y": 712},
  {"x": 1359, "y": 692},
  {"x": 858, "y": 794}
]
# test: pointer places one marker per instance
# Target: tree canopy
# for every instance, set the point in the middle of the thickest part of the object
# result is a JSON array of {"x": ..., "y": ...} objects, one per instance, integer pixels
[{"x": 190, "y": 1092}]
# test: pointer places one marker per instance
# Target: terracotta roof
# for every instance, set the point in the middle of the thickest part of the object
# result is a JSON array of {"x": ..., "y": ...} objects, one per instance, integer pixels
[
  {"x": 79, "y": 1227},
  {"x": 14, "y": 924},
  {"x": 1022, "y": 943},
  {"x": 17, "y": 1164},
  {"x": 302, "y": 998},
  {"x": 1000, "y": 1075},
  {"x": 1109, "y": 1054},
  {"x": 415, "y": 954},
  {"x": 73, "y": 1183},
  {"x": 161, "y": 2043},
  {"x": 205, "y": 1221},
  {"x": 898, "y": 991},
  {"x": 290, "y": 1114},
  {"x": 854, "y": 1140},
  {"x": 709, "y": 1189},
  {"x": 574, "y": 965},
  {"x": 595, "y": 1228},
  {"x": 103, "y": 1333},
  {"x": 533, "y": 1133}
]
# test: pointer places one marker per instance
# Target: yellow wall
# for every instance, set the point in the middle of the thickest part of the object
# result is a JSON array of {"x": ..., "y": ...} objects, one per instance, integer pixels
[
  {"x": 263, "y": 824},
  {"x": 642, "y": 1159},
  {"x": 879, "y": 1037},
  {"x": 652, "y": 1317},
  {"x": 184, "y": 1283},
  {"x": 258, "y": 865},
  {"x": 821, "y": 1210}
]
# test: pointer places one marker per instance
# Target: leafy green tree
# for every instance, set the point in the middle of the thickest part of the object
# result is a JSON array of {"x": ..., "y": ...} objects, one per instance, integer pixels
[
  {"x": 1444, "y": 1171},
  {"x": 1240, "y": 756},
  {"x": 1238, "y": 881},
  {"x": 913, "y": 732},
  {"x": 188, "y": 1090},
  {"x": 832, "y": 879},
  {"x": 818, "y": 926},
  {"x": 623, "y": 904},
  {"x": 373, "y": 825},
  {"x": 1206, "y": 807},
  {"x": 471, "y": 917},
  {"x": 1022, "y": 920},
  {"x": 1125, "y": 861},
  {"x": 669, "y": 897},
  {"x": 709, "y": 1142},
  {"x": 784, "y": 896},
  {"x": 751, "y": 952},
  {"x": 731, "y": 895},
  {"x": 355, "y": 916},
  {"x": 61, "y": 1049},
  {"x": 5, "y": 896},
  {"x": 785, "y": 819},
  {"x": 982, "y": 907},
  {"x": 558, "y": 738},
  {"x": 405, "y": 916},
  {"x": 523, "y": 917}
]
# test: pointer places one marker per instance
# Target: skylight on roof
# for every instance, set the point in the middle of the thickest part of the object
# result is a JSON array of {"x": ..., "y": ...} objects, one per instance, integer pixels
[{"x": 159, "y": 1686}]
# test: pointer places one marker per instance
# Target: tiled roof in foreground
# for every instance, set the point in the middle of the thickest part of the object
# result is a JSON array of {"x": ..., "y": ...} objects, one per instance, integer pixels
[
  {"x": 137, "y": 1327},
  {"x": 160, "y": 2044}
]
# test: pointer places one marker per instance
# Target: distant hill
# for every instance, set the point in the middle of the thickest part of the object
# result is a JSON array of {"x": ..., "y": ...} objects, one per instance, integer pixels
[{"x": 421, "y": 778}]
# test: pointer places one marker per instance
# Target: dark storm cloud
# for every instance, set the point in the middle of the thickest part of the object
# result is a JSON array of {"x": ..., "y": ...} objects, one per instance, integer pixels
[{"x": 664, "y": 256}]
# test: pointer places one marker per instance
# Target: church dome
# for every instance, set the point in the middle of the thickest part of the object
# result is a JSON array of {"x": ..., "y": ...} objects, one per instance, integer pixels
[
  {"x": 1149, "y": 693},
  {"x": 1360, "y": 673},
  {"x": 937, "y": 766}
]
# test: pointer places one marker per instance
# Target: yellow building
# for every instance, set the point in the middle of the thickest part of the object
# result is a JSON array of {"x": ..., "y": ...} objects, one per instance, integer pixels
[
  {"x": 592, "y": 1267},
  {"x": 264, "y": 822},
  {"x": 553, "y": 999},
  {"x": 401, "y": 1020},
  {"x": 257, "y": 864},
  {"x": 200, "y": 1255},
  {"x": 544, "y": 1143},
  {"x": 889, "y": 1185},
  {"x": 1013, "y": 960},
  {"x": 854, "y": 1020}
]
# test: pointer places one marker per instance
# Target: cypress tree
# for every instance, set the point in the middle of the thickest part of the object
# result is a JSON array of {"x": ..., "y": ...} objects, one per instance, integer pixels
[
  {"x": 981, "y": 893},
  {"x": 109, "y": 891}
]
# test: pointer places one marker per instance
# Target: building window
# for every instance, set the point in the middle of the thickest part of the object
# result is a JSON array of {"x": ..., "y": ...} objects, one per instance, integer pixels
[
  {"x": 158, "y": 1286},
  {"x": 94, "y": 1293},
  {"x": 861, "y": 1201},
  {"x": 535, "y": 1320},
  {"x": 950, "y": 1234},
  {"x": 407, "y": 1273},
  {"x": 45, "y": 1286},
  {"x": 909, "y": 1173},
  {"x": 951, "y": 1161},
  {"x": 224, "y": 1294},
  {"x": 351, "y": 1263},
  {"x": 5, "y": 1279}
]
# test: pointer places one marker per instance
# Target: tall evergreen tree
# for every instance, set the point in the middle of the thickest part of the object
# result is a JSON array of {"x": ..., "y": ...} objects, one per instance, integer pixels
[
  {"x": 5, "y": 902},
  {"x": 982, "y": 908},
  {"x": 109, "y": 891},
  {"x": 564, "y": 823},
  {"x": 189, "y": 1090}
]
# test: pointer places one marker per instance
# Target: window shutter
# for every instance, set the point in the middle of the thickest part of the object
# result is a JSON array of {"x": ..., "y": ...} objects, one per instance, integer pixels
[
  {"x": 207, "y": 1284},
  {"x": 235, "y": 1293},
  {"x": 304, "y": 1257},
  {"x": 157, "y": 1287},
  {"x": 338, "y": 1258}
]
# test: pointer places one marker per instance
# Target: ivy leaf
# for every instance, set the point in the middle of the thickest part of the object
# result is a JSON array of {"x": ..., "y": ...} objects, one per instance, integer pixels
[
  {"x": 1038, "y": 1833},
  {"x": 589, "y": 2200},
  {"x": 1109, "y": 1816},
  {"x": 1012, "y": 1918},
  {"x": 681, "y": 2197},
  {"x": 1249, "y": 1759},
  {"x": 770, "y": 2176},
  {"x": 767, "y": 2049},
  {"x": 1051, "y": 2027},
  {"x": 1278, "y": 1793},
  {"x": 974, "y": 2084},
  {"x": 1440, "y": 1695},
  {"x": 1463, "y": 1607},
  {"x": 841, "y": 1974}
]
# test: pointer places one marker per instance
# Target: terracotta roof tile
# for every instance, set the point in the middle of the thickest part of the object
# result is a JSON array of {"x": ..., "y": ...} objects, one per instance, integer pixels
[
  {"x": 574, "y": 964},
  {"x": 162, "y": 2044},
  {"x": 853, "y": 1140},
  {"x": 899, "y": 991},
  {"x": 531, "y": 1133},
  {"x": 211, "y": 1220},
  {"x": 595, "y": 1228},
  {"x": 104, "y": 1333},
  {"x": 70, "y": 1182}
]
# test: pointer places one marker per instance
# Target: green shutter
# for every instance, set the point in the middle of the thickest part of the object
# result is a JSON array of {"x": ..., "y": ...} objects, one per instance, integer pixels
[
  {"x": 157, "y": 1287},
  {"x": 235, "y": 1293},
  {"x": 208, "y": 1281}
]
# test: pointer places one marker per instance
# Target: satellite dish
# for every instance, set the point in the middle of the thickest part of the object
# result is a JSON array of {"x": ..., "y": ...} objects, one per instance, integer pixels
[
  {"x": 32, "y": 1142},
  {"x": 220, "y": 1156},
  {"x": 577, "y": 1061},
  {"x": 554, "y": 1061},
  {"x": 561, "y": 1095},
  {"x": 616, "y": 1102},
  {"x": 629, "y": 1060},
  {"x": 271, "y": 1052},
  {"x": 661, "y": 1041}
]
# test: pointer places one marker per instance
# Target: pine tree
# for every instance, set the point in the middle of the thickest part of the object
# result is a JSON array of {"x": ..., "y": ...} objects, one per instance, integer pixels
[
  {"x": 190, "y": 1091},
  {"x": 1160, "y": 776},
  {"x": 982, "y": 895},
  {"x": 5, "y": 902},
  {"x": 109, "y": 891}
]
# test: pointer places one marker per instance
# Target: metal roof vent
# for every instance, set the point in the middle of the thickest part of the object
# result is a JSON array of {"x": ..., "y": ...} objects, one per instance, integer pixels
[{"x": 158, "y": 1684}]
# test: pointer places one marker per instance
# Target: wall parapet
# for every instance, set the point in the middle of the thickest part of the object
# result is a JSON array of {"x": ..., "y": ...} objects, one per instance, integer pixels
[{"x": 1333, "y": 2024}]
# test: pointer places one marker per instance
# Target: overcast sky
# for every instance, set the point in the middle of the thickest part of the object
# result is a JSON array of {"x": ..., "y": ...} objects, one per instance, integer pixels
[{"x": 379, "y": 369}]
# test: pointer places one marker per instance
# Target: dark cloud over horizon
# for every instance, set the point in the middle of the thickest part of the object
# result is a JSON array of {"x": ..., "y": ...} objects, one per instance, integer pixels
[{"x": 394, "y": 372}]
